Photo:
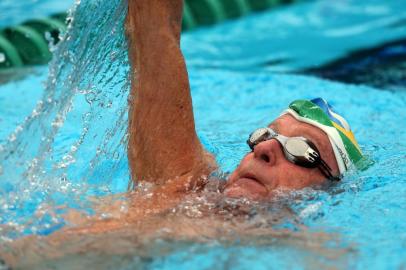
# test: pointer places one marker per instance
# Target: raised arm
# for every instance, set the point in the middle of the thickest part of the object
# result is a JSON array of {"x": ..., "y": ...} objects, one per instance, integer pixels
[{"x": 163, "y": 144}]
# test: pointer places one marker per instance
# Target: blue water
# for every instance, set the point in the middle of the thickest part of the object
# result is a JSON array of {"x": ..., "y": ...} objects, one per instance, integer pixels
[
  {"x": 15, "y": 12},
  {"x": 243, "y": 74}
]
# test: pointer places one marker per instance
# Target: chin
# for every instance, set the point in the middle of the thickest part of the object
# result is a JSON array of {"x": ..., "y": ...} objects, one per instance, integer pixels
[
  {"x": 242, "y": 184},
  {"x": 241, "y": 194}
]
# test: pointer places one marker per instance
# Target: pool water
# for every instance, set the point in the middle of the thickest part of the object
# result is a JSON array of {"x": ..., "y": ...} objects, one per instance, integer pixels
[
  {"x": 64, "y": 137},
  {"x": 19, "y": 11}
]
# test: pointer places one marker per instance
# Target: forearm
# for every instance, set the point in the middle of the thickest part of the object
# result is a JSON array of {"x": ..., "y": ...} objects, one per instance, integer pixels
[
  {"x": 162, "y": 115},
  {"x": 163, "y": 143}
]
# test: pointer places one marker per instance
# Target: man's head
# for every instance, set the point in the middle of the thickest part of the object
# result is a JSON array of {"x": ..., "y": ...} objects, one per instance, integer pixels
[{"x": 266, "y": 168}]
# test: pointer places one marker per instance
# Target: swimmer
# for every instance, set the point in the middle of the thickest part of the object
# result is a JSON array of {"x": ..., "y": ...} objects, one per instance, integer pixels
[{"x": 307, "y": 145}]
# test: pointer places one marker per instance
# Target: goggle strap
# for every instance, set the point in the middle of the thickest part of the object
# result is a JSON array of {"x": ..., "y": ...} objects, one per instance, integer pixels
[
  {"x": 324, "y": 164},
  {"x": 326, "y": 171}
]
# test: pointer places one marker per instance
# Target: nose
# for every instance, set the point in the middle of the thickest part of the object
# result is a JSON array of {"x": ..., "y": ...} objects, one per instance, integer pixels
[{"x": 268, "y": 151}]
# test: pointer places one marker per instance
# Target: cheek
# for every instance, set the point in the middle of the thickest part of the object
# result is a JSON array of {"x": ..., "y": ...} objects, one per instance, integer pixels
[
  {"x": 290, "y": 176},
  {"x": 243, "y": 162}
]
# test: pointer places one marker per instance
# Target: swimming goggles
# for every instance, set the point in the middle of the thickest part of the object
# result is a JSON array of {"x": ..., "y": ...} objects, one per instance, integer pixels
[{"x": 298, "y": 150}]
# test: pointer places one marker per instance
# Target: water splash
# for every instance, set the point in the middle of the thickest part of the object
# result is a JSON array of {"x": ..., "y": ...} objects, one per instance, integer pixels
[{"x": 84, "y": 106}]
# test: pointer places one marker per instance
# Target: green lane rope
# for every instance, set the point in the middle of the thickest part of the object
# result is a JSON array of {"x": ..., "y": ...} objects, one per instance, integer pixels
[
  {"x": 27, "y": 44},
  {"x": 61, "y": 17},
  {"x": 9, "y": 56},
  {"x": 207, "y": 12},
  {"x": 204, "y": 11},
  {"x": 30, "y": 45},
  {"x": 189, "y": 21},
  {"x": 50, "y": 25},
  {"x": 217, "y": 9}
]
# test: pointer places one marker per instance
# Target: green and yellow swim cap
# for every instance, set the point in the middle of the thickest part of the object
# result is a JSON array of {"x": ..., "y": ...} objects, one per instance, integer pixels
[{"x": 319, "y": 113}]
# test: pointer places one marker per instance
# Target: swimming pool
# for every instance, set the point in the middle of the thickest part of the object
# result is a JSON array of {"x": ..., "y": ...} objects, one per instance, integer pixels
[
  {"x": 19, "y": 11},
  {"x": 71, "y": 149}
]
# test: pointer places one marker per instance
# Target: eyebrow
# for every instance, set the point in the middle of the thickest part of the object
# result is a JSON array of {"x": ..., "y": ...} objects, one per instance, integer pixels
[
  {"x": 320, "y": 144},
  {"x": 274, "y": 126},
  {"x": 304, "y": 132}
]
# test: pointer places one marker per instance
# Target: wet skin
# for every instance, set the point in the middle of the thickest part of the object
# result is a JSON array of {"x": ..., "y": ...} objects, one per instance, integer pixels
[{"x": 266, "y": 169}]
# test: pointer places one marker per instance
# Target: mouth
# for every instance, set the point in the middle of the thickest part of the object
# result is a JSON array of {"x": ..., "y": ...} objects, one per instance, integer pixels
[
  {"x": 251, "y": 177},
  {"x": 247, "y": 185},
  {"x": 252, "y": 180}
]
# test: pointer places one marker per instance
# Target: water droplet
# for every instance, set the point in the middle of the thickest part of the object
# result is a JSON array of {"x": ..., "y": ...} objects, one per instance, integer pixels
[
  {"x": 51, "y": 41},
  {"x": 90, "y": 97},
  {"x": 18, "y": 129},
  {"x": 12, "y": 137},
  {"x": 58, "y": 122}
]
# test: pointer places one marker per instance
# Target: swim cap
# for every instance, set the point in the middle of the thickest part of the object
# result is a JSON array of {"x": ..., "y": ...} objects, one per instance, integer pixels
[{"x": 319, "y": 113}]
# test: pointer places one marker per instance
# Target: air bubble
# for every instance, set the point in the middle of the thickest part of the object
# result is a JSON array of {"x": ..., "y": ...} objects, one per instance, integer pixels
[
  {"x": 12, "y": 137},
  {"x": 90, "y": 97}
]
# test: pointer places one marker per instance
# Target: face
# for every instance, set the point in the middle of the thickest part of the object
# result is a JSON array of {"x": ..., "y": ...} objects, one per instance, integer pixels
[{"x": 266, "y": 169}]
